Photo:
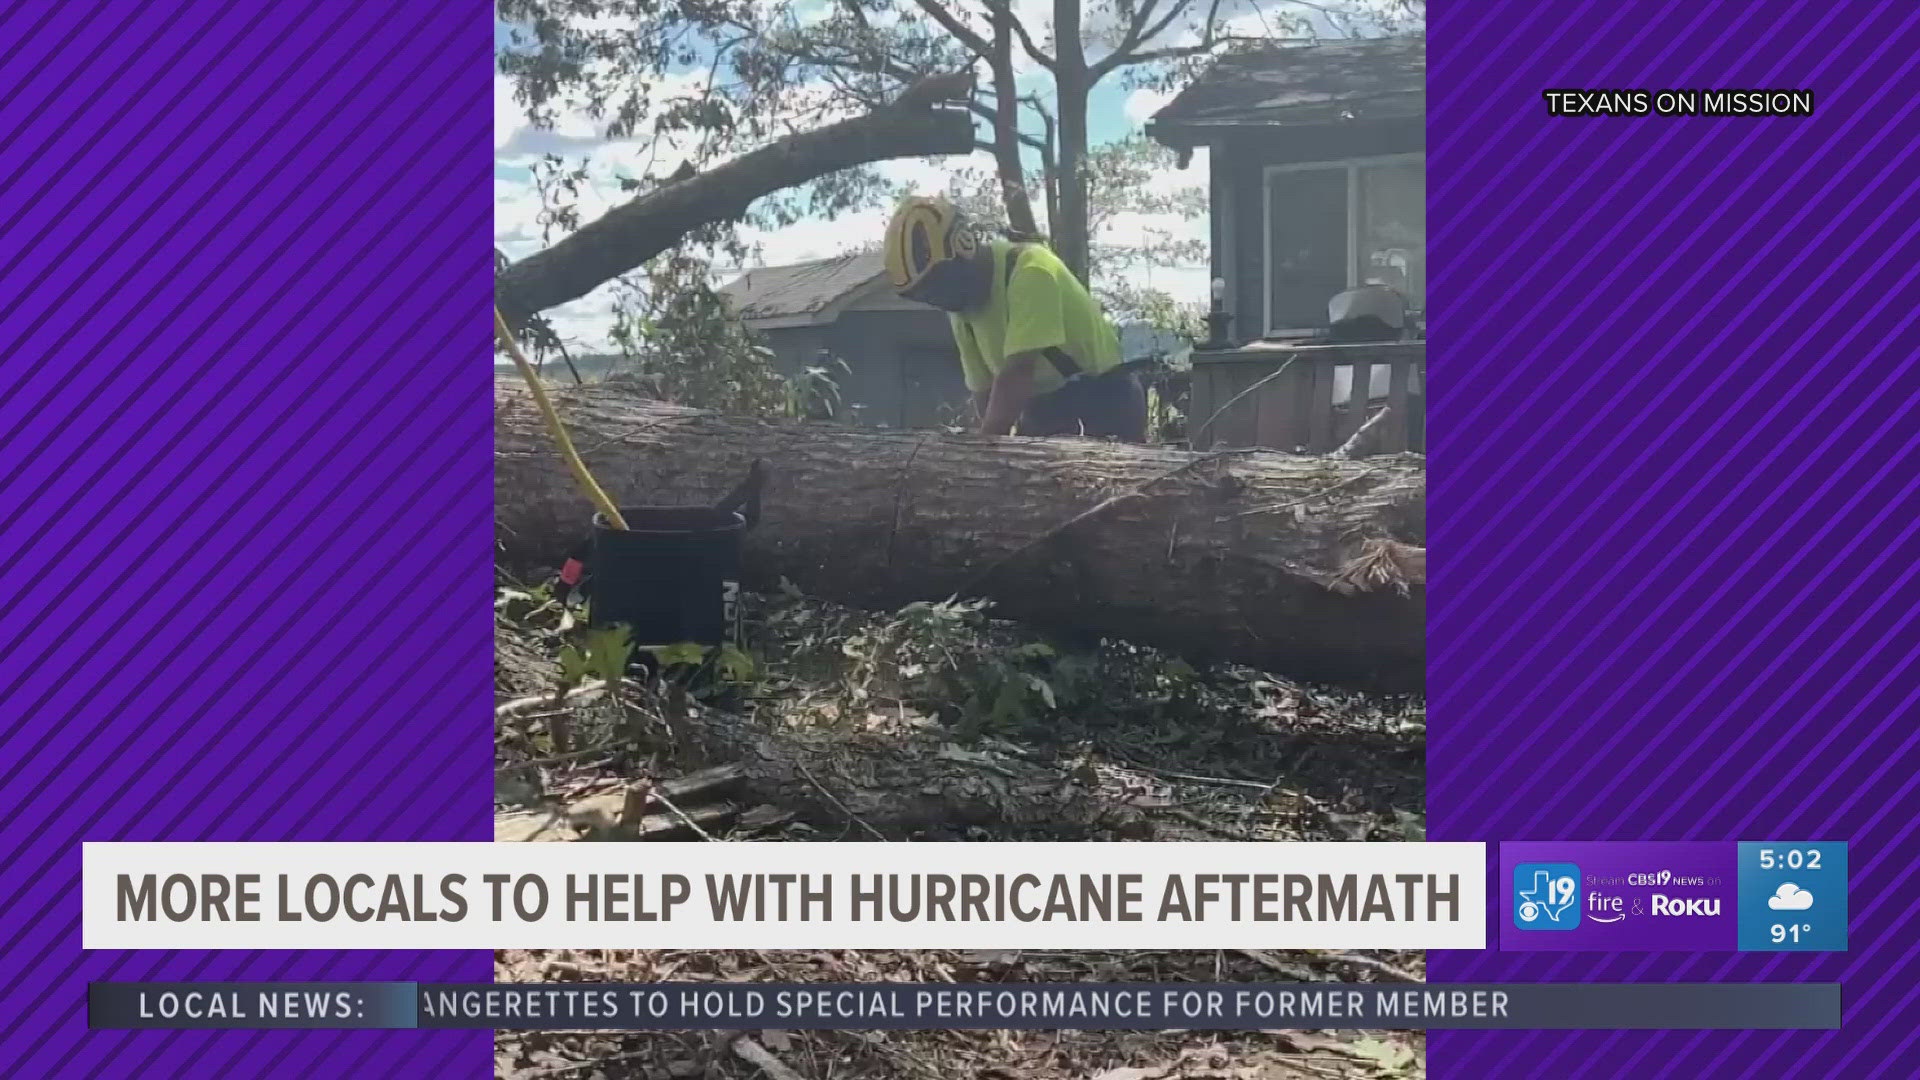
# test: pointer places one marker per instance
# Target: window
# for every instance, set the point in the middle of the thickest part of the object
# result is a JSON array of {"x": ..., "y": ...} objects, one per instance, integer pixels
[{"x": 1333, "y": 225}]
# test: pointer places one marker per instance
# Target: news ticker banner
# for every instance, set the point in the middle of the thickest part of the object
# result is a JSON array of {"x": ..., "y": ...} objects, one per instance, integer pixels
[
  {"x": 898, "y": 1006},
  {"x": 1686, "y": 896},
  {"x": 783, "y": 896}
]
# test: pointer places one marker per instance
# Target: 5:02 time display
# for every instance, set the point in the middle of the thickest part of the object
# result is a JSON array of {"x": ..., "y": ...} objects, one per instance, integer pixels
[{"x": 1790, "y": 859}]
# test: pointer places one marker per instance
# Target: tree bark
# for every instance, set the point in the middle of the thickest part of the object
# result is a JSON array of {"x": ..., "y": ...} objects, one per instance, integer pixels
[
  {"x": 630, "y": 234},
  {"x": 1006, "y": 125},
  {"x": 1311, "y": 567},
  {"x": 1072, "y": 85},
  {"x": 1049, "y": 168}
]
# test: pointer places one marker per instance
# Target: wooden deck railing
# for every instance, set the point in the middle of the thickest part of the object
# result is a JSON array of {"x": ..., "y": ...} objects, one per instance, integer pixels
[{"x": 1237, "y": 399}]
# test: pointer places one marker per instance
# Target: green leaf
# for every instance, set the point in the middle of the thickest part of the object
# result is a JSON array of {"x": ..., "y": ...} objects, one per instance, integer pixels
[
  {"x": 574, "y": 666},
  {"x": 735, "y": 665},
  {"x": 1383, "y": 1056},
  {"x": 683, "y": 653},
  {"x": 608, "y": 650}
]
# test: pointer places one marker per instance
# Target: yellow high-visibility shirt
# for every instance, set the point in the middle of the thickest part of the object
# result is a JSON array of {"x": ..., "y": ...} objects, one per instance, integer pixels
[{"x": 1037, "y": 305}]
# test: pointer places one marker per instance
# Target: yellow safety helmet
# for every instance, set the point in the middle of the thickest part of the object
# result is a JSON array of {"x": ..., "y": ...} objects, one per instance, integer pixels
[{"x": 924, "y": 233}]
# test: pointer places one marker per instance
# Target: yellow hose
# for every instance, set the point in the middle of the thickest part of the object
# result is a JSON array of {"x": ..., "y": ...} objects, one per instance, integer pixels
[{"x": 579, "y": 467}]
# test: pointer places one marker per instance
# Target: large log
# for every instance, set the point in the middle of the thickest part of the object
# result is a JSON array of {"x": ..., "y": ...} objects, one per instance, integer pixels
[{"x": 1311, "y": 567}]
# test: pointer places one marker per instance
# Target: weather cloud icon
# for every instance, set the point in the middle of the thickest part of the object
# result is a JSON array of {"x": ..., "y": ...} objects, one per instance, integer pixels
[{"x": 1790, "y": 897}]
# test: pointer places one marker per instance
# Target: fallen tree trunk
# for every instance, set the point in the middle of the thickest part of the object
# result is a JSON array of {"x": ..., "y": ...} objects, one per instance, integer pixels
[
  {"x": 630, "y": 234},
  {"x": 1312, "y": 567}
]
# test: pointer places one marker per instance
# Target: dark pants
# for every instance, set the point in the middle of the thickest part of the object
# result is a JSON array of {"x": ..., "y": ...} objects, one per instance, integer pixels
[{"x": 1113, "y": 405}]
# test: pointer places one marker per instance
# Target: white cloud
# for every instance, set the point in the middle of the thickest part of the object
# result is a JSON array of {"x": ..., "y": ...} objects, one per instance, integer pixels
[
  {"x": 573, "y": 132},
  {"x": 816, "y": 238},
  {"x": 517, "y": 209},
  {"x": 1144, "y": 102},
  {"x": 516, "y": 228},
  {"x": 507, "y": 114},
  {"x": 1790, "y": 897},
  {"x": 820, "y": 238}
]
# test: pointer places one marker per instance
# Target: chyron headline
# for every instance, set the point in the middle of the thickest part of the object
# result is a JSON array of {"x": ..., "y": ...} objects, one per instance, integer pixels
[{"x": 792, "y": 897}]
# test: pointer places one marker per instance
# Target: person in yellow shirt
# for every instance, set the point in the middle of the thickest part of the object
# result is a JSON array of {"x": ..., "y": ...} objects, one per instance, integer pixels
[{"x": 1036, "y": 350}]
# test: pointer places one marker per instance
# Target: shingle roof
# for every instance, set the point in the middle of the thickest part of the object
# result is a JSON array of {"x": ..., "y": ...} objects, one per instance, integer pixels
[
  {"x": 1363, "y": 79},
  {"x": 773, "y": 292}
]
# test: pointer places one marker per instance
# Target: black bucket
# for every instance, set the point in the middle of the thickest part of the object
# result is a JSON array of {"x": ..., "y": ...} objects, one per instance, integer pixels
[{"x": 673, "y": 575}]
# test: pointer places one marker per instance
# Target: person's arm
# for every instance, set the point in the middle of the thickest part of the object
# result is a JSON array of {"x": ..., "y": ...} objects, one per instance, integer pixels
[
  {"x": 1012, "y": 390},
  {"x": 973, "y": 367},
  {"x": 1034, "y": 325}
]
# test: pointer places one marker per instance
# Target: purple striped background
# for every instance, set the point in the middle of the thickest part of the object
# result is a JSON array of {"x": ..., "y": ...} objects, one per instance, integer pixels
[
  {"x": 1672, "y": 483},
  {"x": 244, "y": 447},
  {"x": 244, "y": 455}
]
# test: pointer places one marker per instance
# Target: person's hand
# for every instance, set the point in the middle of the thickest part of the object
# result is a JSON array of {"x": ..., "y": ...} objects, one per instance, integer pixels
[{"x": 1007, "y": 399}]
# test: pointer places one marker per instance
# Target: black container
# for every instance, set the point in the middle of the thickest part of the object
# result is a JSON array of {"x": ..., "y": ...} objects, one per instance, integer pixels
[{"x": 673, "y": 575}]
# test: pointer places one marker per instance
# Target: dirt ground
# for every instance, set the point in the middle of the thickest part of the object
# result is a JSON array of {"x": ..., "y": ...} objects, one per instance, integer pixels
[{"x": 1214, "y": 753}]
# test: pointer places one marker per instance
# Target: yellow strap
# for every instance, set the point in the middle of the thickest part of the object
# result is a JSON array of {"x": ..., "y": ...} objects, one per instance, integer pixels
[{"x": 579, "y": 467}]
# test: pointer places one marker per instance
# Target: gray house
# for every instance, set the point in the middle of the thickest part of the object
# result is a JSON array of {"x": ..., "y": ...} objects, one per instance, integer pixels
[
  {"x": 904, "y": 369},
  {"x": 1319, "y": 175},
  {"x": 1319, "y": 183}
]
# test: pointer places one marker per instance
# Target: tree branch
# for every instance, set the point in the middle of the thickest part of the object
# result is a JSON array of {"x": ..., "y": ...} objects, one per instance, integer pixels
[
  {"x": 1183, "y": 51},
  {"x": 986, "y": 112},
  {"x": 980, "y": 46},
  {"x": 1027, "y": 43},
  {"x": 1132, "y": 38},
  {"x": 630, "y": 234},
  {"x": 1125, "y": 56},
  {"x": 1160, "y": 27},
  {"x": 1006, "y": 123}
]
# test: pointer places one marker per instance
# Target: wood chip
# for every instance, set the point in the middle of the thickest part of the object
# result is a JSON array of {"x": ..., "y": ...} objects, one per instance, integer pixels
[{"x": 753, "y": 1053}]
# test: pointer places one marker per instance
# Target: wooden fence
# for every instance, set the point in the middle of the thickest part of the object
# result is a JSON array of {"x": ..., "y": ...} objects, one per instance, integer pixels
[{"x": 1301, "y": 398}]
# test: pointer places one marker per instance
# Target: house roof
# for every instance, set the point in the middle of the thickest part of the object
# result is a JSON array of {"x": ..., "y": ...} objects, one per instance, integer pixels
[
  {"x": 808, "y": 292},
  {"x": 1335, "y": 82}
]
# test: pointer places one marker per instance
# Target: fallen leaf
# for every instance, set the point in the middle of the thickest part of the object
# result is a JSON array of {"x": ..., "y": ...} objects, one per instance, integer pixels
[
  {"x": 1304, "y": 1042},
  {"x": 1383, "y": 1056},
  {"x": 1411, "y": 825}
]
